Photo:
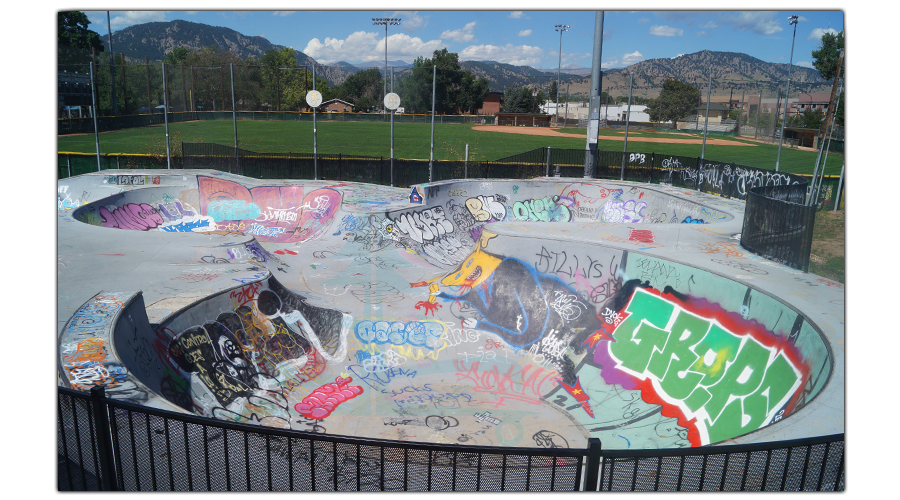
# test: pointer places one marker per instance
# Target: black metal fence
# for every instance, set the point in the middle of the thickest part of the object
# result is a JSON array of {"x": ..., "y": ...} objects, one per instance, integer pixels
[
  {"x": 103, "y": 444},
  {"x": 778, "y": 225}
]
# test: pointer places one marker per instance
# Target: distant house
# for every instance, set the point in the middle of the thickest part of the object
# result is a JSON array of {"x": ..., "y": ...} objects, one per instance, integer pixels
[
  {"x": 491, "y": 104},
  {"x": 335, "y": 106}
]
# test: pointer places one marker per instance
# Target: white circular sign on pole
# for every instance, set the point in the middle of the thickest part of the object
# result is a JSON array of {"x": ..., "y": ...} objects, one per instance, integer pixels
[
  {"x": 392, "y": 101},
  {"x": 314, "y": 98}
]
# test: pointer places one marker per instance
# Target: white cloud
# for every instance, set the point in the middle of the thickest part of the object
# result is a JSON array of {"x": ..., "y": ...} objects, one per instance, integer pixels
[
  {"x": 817, "y": 33},
  {"x": 525, "y": 33},
  {"x": 644, "y": 20},
  {"x": 283, "y": 13},
  {"x": 464, "y": 35},
  {"x": 519, "y": 55},
  {"x": 362, "y": 46},
  {"x": 515, "y": 14},
  {"x": 124, "y": 19},
  {"x": 709, "y": 25},
  {"x": 761, "y": 23},
  {"x": 634, "y": 57},
  {"x": 804, "y": 64},
  {"x": 701, "y": 34},
  {"x": 666, "y": 31},
  {"x": 410, "y": 21}
]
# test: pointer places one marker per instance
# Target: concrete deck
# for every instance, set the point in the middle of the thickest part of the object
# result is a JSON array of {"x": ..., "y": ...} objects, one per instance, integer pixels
[{"x": 494, "y": 312}]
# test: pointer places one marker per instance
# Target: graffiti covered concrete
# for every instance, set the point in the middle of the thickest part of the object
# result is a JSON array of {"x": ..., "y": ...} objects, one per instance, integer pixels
[{"x": 496, "y": 312}]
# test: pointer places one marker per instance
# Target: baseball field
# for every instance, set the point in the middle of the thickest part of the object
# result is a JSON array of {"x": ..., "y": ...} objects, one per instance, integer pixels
[{"x": 413, "y": 140}]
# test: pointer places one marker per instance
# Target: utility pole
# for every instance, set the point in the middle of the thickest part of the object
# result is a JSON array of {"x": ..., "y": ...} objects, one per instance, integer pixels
[{"x": 593, "y": 129}]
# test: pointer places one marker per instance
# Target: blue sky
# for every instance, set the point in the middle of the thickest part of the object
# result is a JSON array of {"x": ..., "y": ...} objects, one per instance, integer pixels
[{"x": 514, "y": 37}]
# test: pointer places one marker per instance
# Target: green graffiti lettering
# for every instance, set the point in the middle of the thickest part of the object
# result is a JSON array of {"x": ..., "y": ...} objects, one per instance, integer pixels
[
  {"x": 671, "y": 364},
  {"x": 715, "y": 352},
  {"x": 780, "y": 381},
  {"x": 731, "y": 383},
  {"x": 724, "y": 347},
  {"x": 639, "y": 335},
  {"x": 740, "y": 379}
]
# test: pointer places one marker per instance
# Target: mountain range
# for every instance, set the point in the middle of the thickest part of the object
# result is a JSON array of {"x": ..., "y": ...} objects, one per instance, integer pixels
[{"x": 731, "y": 71}]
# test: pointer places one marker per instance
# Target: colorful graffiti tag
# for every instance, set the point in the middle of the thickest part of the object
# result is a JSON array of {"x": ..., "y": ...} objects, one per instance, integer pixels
[
  {"x": 281, "y": 214},
  {"x": 719, "y": 374}
]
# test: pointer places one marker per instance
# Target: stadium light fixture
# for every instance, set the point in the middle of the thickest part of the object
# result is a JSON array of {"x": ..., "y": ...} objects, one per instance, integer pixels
[
  {"x": 792, "y": 20},
  {"x": 386, "y": 21}
]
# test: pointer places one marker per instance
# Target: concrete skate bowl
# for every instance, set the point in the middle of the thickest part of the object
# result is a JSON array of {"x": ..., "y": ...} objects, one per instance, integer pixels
[{"x": 515, "y": 313}]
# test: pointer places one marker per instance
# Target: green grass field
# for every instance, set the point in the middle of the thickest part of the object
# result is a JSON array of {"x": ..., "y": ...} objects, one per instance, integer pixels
[{"x": 412, "y": 140}]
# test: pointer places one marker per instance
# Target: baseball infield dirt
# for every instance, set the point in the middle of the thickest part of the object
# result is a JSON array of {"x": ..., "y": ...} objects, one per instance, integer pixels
[{"x": 544, "y": 131}]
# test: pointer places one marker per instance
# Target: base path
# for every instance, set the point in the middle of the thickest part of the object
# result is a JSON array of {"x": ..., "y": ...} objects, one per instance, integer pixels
[
  {"x": 532, "y": 313},
  {"x": 548, "y": 132}
]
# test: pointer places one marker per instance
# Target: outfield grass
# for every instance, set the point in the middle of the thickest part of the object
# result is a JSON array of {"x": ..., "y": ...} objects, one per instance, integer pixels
[{"x": 412, "y": 140}]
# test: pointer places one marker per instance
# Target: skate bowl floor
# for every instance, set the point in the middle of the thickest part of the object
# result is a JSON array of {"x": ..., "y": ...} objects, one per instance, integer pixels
[{"x": 527, "y": 313}]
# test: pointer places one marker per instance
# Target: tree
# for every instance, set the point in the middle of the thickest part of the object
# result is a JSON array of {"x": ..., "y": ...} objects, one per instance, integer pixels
[
  {"x": 677, "y": 100},
  {"x": 553, "y": 91},
  {"x": 363, "y": 89},
  {"x": 178, "y": 55},
  {"x": 808, "y": 119},
  {"x": 74, "y": 40},
  {"x": 521, "y": 100},
  {"x": 825, "y": 60},
  {"x": 454, "y": 90}
]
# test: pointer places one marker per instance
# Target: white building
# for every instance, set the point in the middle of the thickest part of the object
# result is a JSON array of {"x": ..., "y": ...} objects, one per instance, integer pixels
[{"x": 611, "y": 112}]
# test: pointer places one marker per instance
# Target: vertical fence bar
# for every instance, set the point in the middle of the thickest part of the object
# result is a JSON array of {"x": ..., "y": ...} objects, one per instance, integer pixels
[
  {"x": 166, "y": 114},
  {"x": 746, "y": 468},
  {"x": 787, "y": 463},
  {"x": 234, "y": 122},
  {"x": 247, "y": 461},
  {"x": 593, "y": 465},
  {"x": 269, "y": 462},
  {"x": 680, "y": 474},
  {"x": 187, "y": 457},
  {"x": 805, "y": 466},
  {"x": 206, "y": 457},
  {"x": 137, "y": 477},
  {"x": 453, "y": 482},
  {"x": 78, "y": 443},
  {"x": 334, "y": 464},
  {"x": 766, "y": 469},
  {"x": 725, "y": 470},
  {"x": 169, "y": 456},
  {"x": 150, "y": 446},
  {"x": 227, "y": 461},
  {"x": 837, "y": 199},
  {"x": 822, "y": 470},
  {"x": 312, "y": 449},
  {"x": 94, "y": 113},
  {"x": 431, "y": 155}
]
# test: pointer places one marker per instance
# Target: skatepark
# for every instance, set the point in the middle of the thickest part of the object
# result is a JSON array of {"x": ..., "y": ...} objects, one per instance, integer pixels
[{"x": 515, "y": 313}]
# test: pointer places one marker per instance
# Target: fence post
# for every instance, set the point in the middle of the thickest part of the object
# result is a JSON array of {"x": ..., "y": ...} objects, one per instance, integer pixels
[
  {"x": 340, "y": 169},
  {"x": 650, "y": 175},
  {"x": 699, "y": 166},
  {"x": 101, "y": 423},
  {"x": 548, "y": 162},
  {"x": 466, "y": 174},
  {"x": 69, "y": 164},
  {"x": 592, "y": 478}
]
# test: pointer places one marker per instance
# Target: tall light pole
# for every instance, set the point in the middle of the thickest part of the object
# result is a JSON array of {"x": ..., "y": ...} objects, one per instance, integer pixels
[
  {"x": 793, "y": 21},
  {"x": 386, "y": 21},
  {"x": 561, "y": 28}
]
